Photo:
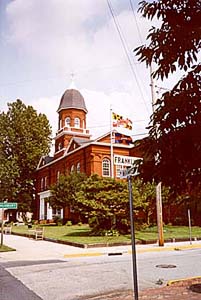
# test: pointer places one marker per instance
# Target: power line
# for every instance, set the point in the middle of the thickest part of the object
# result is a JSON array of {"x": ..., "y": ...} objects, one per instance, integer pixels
[
  {"x": 126, "y": 52},
  {"x": 141, "y": 41},
  {"x": 83, "y": 69},
  {"x": 106, "y": 125},
  {"x": 137, "y": 26},
  {"x": 136, "y": 23}
]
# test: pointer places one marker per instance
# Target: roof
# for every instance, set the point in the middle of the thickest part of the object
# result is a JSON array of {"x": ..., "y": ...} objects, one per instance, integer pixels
[
  {"x": 45, "y": 160},
  {"x": 72, "y": 99},
  {"x": 81, "y": 141},
  {"x": 48, "y": 159}
]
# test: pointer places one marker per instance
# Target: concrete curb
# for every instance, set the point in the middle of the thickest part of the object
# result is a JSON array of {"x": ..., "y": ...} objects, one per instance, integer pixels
[
  {"x": 171, "y": 282},
  {"x": 168, "y": 248},
  {"x": 153, "y": 249}
]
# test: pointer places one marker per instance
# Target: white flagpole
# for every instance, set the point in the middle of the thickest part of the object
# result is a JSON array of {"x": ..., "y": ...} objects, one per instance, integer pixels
[{"x": 111, "y": 144}]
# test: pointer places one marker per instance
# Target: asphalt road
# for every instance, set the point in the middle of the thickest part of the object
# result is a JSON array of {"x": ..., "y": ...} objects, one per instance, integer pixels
[
  {"x": 12, "y": 289},
  {"x": 78, "y": 278}
]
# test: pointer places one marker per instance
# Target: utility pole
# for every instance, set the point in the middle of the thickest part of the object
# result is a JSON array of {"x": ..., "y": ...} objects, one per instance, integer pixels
[
  {"x": 158, "y": 187},
  {"x": 159, "y": 215},
  {"x": 153, "y": 92}
]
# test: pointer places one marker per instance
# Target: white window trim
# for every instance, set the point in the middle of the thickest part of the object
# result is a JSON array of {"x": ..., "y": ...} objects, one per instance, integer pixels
[
  {"x": 67, "y": 124},
  {"x": 78, "y": 167},
  {"x": 106, "y": 168},
  {"x": 77, "y": 122}
]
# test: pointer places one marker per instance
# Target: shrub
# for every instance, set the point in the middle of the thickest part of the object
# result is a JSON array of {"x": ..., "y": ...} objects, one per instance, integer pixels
[
  {"x": 58, "y": 220},
  {"x": 69, "y": 223}
]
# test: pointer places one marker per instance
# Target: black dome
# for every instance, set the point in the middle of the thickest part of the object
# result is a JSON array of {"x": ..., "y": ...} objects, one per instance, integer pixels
[{"x": 72, "y": 99}]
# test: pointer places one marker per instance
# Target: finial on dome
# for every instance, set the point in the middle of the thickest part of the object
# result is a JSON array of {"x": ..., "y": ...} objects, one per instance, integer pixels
[{"x": 72, "y": 85}]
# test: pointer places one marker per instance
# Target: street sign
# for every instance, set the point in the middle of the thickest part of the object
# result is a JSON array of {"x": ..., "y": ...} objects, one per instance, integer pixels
[{"x": 8, "y": 205}]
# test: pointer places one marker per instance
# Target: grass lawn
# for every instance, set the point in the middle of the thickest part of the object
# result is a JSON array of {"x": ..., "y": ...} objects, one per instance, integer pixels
[
  {"x": 81, "y": 234},
  {"x": 5, "y": 248}
]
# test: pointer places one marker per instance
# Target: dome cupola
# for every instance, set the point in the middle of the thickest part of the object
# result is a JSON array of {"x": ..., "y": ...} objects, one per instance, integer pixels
[
  {"x": 72, "y": 113},
  {"x": 72, "y": 99}
]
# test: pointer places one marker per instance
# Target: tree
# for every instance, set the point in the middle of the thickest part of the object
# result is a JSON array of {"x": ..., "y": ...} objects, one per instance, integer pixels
[
  {"x": 175, "y": 130},
  {"x": 104, "y": 201},
  {"x": 64, "y": 191},
  {"x": 24, "y": 138}
]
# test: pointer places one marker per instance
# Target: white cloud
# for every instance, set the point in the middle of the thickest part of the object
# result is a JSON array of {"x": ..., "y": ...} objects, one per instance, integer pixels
[{"x": 64, "y": 36}]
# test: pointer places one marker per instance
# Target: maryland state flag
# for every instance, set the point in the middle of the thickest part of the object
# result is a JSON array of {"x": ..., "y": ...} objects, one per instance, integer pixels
[{"x": 119, "y": 121}]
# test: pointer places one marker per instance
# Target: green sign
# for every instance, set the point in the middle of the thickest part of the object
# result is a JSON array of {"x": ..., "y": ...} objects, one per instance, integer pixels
[{"x": 8, "y": 205}]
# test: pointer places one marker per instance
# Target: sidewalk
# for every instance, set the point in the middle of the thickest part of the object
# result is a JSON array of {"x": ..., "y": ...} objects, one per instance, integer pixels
[{"x": 29, "y": 249}]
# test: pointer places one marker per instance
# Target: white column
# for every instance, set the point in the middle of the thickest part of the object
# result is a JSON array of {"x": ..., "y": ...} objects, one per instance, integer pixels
[
  {"x": 42, "y": 208},
  {"x": 49, "y": 212}
]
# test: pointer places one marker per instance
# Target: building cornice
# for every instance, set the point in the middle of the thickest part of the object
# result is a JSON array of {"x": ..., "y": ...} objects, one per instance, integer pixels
[
  {"x": 72, "y": 133},
  {"x": 84, "y": 146}
]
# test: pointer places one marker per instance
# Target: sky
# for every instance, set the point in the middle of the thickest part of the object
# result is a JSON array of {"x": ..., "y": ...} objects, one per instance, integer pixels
[{"x": 44, "y": 42}]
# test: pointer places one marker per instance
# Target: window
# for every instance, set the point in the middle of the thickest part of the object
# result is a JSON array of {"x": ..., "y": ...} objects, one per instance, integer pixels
[
  {"x": 78, "y": 167},
  {"x": 77, "y": 123},
  {"x": 106, "y": 167},
  {"x": 119, "y": 171},
  {"x": 41, "y": 184},
  {"x": 59, "y": 146},
  {"x": 58, "y": 175},
  {"x": 45, "y": 183},
  {"x": 67, "y": 121},
  {"x": 72, "y": 168}
]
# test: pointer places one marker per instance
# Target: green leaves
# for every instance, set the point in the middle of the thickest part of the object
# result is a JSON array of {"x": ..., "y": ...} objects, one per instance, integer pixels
[
  {"x": 24, "y": 138},
  {"x": 177, "y": 41},
  {"x": 104, "y": 202},
  {"x": 64, "y": 191},
  {"x": 172, "y": 151}
]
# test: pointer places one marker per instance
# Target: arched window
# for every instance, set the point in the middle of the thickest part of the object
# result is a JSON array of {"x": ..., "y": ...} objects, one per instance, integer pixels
[
  {"x": 78, "y": 167},
  {"x": 72, "y": 169},
  {"x": 58, "y": 175},
  {"x": 67, "y": 121},
  {"x": 59, "y": 146},
  {"x": 106, "y": 167},
  {"x": 42, "y": 184},
  {"x": 77, "y": 123},
  {"x": 45, "y": 182}
]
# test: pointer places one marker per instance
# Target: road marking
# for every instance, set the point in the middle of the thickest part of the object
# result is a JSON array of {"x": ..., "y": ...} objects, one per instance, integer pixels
[
  {"x": 171, "y": 248},
  {"x": 83, "y": 254},
  {"x": 153, "y": 249}
]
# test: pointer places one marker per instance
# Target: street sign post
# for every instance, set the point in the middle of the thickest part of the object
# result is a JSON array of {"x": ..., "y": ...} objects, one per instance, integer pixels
[
  {"x": 133, "y": 171},
  {"x": 5, "y": 205}
]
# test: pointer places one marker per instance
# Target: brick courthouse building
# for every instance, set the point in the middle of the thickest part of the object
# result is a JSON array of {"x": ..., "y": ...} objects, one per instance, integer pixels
[{"x": 75, "y": 151}]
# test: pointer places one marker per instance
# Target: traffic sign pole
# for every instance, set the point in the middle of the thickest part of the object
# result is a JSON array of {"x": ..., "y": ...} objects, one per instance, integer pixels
[
  {"x": 2, "y": 218},
  {"x": 135, "y": 283}
]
